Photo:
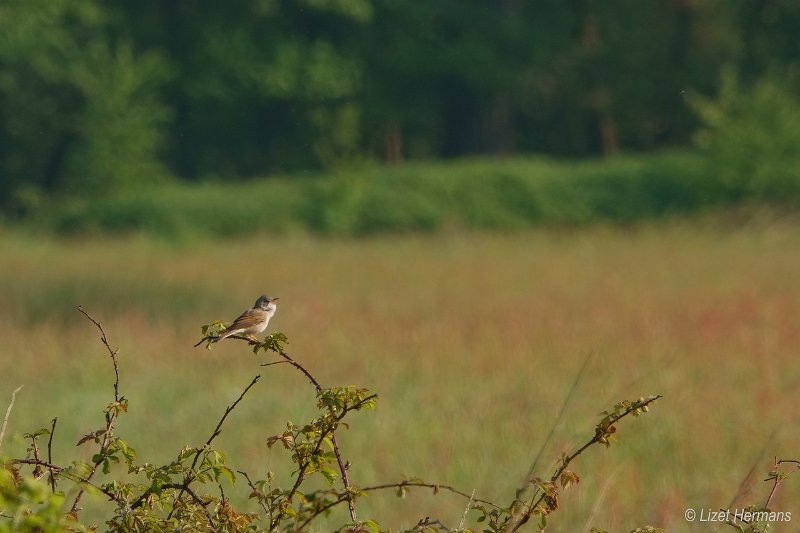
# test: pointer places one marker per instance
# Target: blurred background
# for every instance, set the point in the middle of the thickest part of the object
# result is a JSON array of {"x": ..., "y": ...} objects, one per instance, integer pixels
[
  {"x": 143, "y": 99},
  {"x": 456, "y": 201}
]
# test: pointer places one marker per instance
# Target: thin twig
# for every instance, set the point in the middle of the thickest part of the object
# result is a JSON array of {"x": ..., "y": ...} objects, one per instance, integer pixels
[
  {"x": 217, "y": 430},
  {"x": 197, "y": 499},
  {"x": 274, "y": 363},
  {"x": 184, "y": 487},
  {"x": 337, "y": 452},
  {"x": 111, "y": 413},
  {"x": 39, "y": 462},
  {"x": 111, "y": 352},
  {"x": 599, "y": 435},
  {"x": 425, "y": 524},
  {"x": 204, "y": 339},
  {"x": 252, "y": 486},
  {"x": 50, "y": 454},
  {"x": 302, "y": 369},
  {"x": 37, "y": 472},
  {"x": 778, "y": 478},
  {"x": 301, "y": 471},
  {"x": 8, "y": 413},
  {"x": 66, "y": 473},
  {"x": 775, "y": 484},
  {"x": 351, "y": 504},
  {"x": 434, "y": 486},
  {"x": 286, "y": 356},
  {"x": 217, "y": 338},
  {"x": 399, "y": 485},
  {"x": 746, "y": 485},
  {"x": 520, "y": 493}
]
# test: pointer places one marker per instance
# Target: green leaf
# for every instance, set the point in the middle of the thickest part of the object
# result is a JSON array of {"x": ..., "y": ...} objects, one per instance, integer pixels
[
  {"x": 226, "y": 472},
  {"x": 287, "y": 509},
  {"x": 329, "y": 473},
  {"x": 373, "y": 526},
  {"x": 186, "y": 452}
]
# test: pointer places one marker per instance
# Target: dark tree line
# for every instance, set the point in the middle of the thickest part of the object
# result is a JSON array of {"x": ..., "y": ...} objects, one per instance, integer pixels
[{"x": 100, "y": 94}]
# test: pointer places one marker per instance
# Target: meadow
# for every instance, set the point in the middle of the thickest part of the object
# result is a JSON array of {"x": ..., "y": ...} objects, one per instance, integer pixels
[{"x": 471, "y": 340}]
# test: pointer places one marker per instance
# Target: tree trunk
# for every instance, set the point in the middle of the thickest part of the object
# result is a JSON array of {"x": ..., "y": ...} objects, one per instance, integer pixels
[{"x": 393, "y": 144}]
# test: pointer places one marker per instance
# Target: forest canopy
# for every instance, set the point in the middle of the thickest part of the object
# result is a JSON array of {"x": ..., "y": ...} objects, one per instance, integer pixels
[{"x": 99, "y": 96}]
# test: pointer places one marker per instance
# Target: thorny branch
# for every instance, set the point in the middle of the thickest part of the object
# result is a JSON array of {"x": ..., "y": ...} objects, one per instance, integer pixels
[
  {"x": 599, "y": 436},
  {"x": 777, "y": 477},
  {"x": 341, "y": 463},
  {"x": 50, "y": 454},
  {"x": 66, "y": 473},
  {"x": 342, "y": 466},
  {"x": 348, "y": 496},
  {"x": 217, "y": 430},
  {"x": 399, "y": 485},
  {"x": 334, "y": 417},
  {"x": 255, "y": 490},
  {"x": 111, "y": 413},
  {"x": 111, "y": 352}
]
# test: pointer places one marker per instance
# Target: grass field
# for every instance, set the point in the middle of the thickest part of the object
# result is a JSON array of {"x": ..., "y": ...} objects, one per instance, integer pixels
[{"x": 471, "y": 340}]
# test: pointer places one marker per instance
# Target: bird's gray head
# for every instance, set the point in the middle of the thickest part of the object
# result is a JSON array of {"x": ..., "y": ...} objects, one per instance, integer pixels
[{"x": 264, "y": 302}]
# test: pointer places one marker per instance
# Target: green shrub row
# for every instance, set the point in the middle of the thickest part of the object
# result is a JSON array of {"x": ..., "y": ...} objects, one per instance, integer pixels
[{"x": 479, "y": 193}]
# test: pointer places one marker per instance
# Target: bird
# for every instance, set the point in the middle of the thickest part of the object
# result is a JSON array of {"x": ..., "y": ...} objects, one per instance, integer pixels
[{"x": 253, "y": 320}]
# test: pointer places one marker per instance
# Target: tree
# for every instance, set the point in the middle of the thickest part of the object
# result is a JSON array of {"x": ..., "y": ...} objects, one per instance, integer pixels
[{"x": 81, "y": 110}]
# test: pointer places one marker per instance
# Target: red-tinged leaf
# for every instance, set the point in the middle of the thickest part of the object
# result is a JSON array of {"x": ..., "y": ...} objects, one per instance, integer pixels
[
  {"x": 15, "y": 475},
  {"x": 569, "y": 478}
]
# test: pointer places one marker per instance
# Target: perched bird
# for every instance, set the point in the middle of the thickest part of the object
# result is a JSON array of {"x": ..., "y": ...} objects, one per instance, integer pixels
[{"x": 253, "y": 320}]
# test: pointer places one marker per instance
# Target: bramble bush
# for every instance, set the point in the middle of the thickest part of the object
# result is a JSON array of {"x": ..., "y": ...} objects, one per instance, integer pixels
[{"x": 187, "y": 493}]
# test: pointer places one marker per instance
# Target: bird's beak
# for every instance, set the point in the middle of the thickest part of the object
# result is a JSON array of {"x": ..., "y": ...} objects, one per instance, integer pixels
[{"x": 276, "y": 298}]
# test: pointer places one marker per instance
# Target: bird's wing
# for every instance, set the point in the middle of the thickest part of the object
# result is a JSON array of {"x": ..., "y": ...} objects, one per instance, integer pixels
[{"x": 248, "y": 319}]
